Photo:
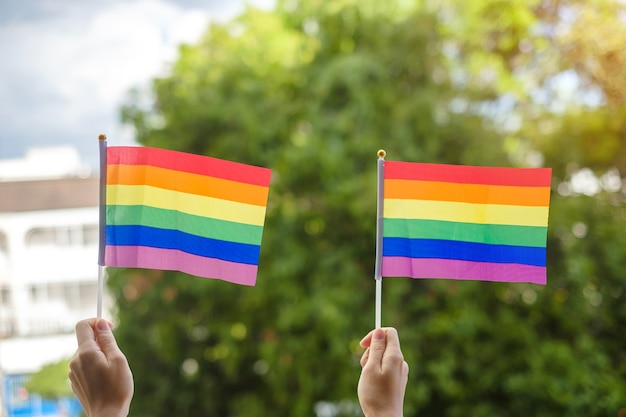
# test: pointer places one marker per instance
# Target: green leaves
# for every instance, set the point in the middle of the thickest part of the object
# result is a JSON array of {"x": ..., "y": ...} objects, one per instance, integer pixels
[
  {"x": 51, "y": 381},
  {"x": 313, "y": 90}
]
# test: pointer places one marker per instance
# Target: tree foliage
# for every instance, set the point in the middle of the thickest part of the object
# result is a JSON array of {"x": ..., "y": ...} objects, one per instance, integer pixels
[
  {"x": 51, "y": 381},
  {"x": 312, "y": 90}
]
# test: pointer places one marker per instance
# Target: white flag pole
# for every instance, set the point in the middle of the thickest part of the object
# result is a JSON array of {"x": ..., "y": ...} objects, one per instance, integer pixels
[
  {"x": 379, "y": 236},
  {"x": 102, "y": 142}
]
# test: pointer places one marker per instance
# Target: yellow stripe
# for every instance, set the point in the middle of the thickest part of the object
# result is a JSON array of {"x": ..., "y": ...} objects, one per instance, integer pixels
[
  {"x": 134, "y": 195},
  {"x": 466, "y": 212}
]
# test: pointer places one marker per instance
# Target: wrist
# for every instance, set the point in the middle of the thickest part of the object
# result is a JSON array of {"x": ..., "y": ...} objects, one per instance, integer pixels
[
  {"x": 114, "y": 412},
  {"x": 387, "y": 414},
  {"x": 384, "y": 414},
  {"x": 111, "y": 414}
]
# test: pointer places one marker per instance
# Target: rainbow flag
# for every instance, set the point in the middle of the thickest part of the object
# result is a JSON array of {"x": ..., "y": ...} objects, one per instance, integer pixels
[
  {"x": 465, "y": 222},
  {"x": 178, "y": 211}
]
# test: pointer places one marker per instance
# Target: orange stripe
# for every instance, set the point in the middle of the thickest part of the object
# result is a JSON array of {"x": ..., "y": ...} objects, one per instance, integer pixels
[
  {"x": 467, "y": 193},
  {"x": 187, "y": 183}
]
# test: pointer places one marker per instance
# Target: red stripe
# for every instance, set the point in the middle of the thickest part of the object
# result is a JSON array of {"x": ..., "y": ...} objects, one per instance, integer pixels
[
  {"x": 525, "y": 177},
  {"x": 186, "y": 162}
]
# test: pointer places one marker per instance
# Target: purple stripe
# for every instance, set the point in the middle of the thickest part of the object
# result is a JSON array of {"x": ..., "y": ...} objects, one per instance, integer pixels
[
  {"x": 175, "y": 260},
  {"x": 395, "y": 266}
]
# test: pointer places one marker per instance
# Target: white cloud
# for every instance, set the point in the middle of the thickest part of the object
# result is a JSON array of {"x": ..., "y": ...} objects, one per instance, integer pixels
[{"x": 65, "y": 72}]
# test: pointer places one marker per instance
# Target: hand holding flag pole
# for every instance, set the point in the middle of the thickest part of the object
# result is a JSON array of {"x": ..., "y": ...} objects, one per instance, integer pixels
[{"x": 379, "y": 235}]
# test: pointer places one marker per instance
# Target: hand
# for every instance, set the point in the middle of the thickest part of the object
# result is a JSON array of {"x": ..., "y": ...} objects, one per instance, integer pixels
[
  {"x": 99, "y": 371},
  {"x": 384, "y": 375}
]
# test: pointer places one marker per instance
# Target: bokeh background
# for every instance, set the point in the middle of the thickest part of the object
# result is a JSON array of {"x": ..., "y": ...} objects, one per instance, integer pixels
[{"x": 312, "y": 89}]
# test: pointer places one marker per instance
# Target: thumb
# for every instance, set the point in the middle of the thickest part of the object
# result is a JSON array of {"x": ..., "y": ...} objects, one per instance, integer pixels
[
  {"x": 105, "y": 338},
  {"x": 377, "y": 348}
]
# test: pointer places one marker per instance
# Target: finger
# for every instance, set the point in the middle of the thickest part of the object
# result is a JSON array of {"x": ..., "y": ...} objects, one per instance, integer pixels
[
  {"x": 106, "y": 340},
  {"x": 377, "y": 348},
  {"x": 367, "y": 339},
  {"x": 393, "y": 341},
  {"x": 85, "y": 332},
  {"x": 365, "y": 357},
  {"x": 79, "y": 392},
  {"x": 75, "y": 383}
]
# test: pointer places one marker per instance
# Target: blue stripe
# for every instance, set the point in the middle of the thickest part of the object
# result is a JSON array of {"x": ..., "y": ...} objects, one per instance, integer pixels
[
  {"x": 174, "y": 239},
  {"x": 466, "y": 251}
]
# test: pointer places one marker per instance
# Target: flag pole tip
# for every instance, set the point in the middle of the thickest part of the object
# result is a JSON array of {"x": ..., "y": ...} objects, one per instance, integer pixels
[
  {"x": 102, "y": 136},
  {"x": 381, "y": 153}
]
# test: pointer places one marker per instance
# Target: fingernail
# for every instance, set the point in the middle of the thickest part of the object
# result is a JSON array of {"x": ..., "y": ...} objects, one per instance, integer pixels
[
  {"x": 103, "y": 325},
  {"x": 379, "y": 334}
]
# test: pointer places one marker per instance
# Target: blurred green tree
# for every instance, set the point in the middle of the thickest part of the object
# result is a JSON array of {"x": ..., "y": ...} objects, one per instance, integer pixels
[
  {"x": 51, "y": 382},
  {"x": 312, "y": 90}
]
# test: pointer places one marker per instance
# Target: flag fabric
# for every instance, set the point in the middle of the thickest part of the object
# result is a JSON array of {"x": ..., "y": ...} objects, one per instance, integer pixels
[
  {"x": 178, "y": 211},
  {"x": 465, "y": 222}
]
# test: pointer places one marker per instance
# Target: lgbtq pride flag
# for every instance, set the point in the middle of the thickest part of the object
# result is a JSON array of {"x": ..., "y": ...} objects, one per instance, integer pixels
[
  {"x": 465, "y": 222},
  {"x": 178, "y": 211}
]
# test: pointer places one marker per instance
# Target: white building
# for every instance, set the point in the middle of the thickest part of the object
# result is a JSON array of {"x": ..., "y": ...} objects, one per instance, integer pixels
[{"x": 48, "y": 258}]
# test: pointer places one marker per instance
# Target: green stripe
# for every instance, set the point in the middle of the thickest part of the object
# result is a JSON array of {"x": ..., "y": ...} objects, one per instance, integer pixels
[
  {"x": 117, "y": 215},
  {"x": 497, "y": 234}
]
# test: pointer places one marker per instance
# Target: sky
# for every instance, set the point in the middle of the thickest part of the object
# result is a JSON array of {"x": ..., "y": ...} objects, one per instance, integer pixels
[{"x": 66, "y": 66}]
